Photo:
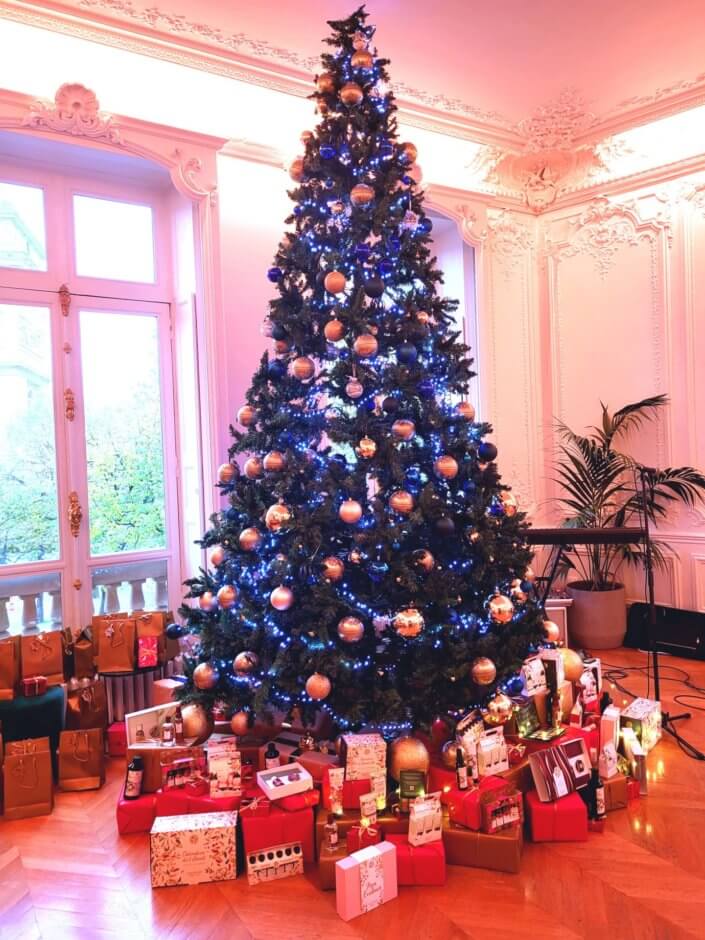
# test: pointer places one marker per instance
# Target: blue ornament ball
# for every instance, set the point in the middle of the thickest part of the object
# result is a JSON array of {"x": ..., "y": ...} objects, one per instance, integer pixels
[
  {"x": 487, "y": 451},
  {"x": 386, "y": 150},
  {"x": 514, "y": 686},
  {"x": 274, "y": 274},
  {"x": 425, "y": 225},
  {"x": 377, "y": 570},
  {"x": 276, "y": 369},
  {"x": 278, "y": 331},
  {"x": 374, "y": 287},
  {"x": 327, "y": 152},
  {"x": 385, "y": 266},
  {"x": 407, "y": 353},
  {"x": 496, "y": 509},
  {"x": 175, "y": 630}
]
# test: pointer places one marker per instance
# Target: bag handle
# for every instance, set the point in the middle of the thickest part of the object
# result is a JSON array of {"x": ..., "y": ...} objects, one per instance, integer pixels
[
  {"x": 117, "y": 625},
  {"x": 18, "y": 771},
  {"x": 78, "y": 736}
]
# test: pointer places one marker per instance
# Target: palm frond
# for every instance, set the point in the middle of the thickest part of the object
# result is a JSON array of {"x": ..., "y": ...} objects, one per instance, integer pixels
[{"x": 634, "y": 415}]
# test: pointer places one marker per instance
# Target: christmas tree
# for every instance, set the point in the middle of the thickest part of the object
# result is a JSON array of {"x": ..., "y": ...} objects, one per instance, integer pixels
[{"x": 368, "y": 560}]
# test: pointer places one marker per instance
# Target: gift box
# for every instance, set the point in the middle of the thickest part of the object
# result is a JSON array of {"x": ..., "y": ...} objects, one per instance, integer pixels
[
  {"x": 327, "y": 859},
  {"x": 533, "y": 675},
  {"x": 499, "y": 852},
  {"x": 464, "y": 807},
  {"x": 559, "y": 770},
  {"x": 145, "y": 726},
  {"x": 365, "y": 880},
  {"x": 351, "y": 792},
  {"x": 316, "y": 763},
  {"x": 616, "y": 793},
  {"x": 292, "y": 804},
  {"x": 117, "y": 739},
  {"x": 274, "y": 862},
  {"x": 358, "y": 837},
  {"x": 563, "y": 820},
  {"x": 609, "y": 726},
  {"x": 387, "y": 822},
  {"x": 164, "y": 690},
  {"x": 278, "y": 827},
  {"x": 147, "y": 652},
  {"x": 419, "y": 864},
  {"x": 501, "y": 809},
  {"x": 441, "y": 779},
  {"x": 286, "y": 780},
  {"x": 34, "y": 685},
  {"x": 362, "y": 755},
  {"x": 136, "y": 815},
  {"x": 643, "y": 716},
  {"x": 184, "y": 800},
  {"x": 154, "y": 757},
  {"x": 255, "y": 807},
  {"x": 189, "y": 850},
  {"x": 425, "y": 818},
  {"x": 224, "y": 767},
  {"x": 608, "y": 764},
  {"x": 492, "y": 754}
]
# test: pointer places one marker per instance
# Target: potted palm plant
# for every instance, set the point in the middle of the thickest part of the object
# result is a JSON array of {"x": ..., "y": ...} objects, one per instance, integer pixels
[{"x": 601, "y": 487}]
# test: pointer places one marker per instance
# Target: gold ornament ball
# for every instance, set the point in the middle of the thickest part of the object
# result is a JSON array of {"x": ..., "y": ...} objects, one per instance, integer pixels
[
  {"x": 296, "y": 169},
  {"x": 401, "y": 501},
  {"x": 552, "y": 631},
  {"x": 424, "y": 559},
  {"x": 303, "y": 368},
  {"x": 509, "y": 501},
  {"x": 466, "y": 410},
  {"x": 365, "y": 346},
  {"x": 499, "y": 709},
  {"x": 277, "y": 516},
  {"x": 325, "y": 83},
  {"x": 245, "y": 662},
  {"x": 366, "y": 448},
  {"x": 239, "y": 723},
  {"x": 253, "y": 468},
  {"x": 207, "y": 601},
  {"x": 250, "y": 539},
  {"x": 362, "y": 59},
  {"x": 274, "y": 462},
  {"x": 530, "y": 575},
  {"x": 227, "y": 596},
  {"x": 217, "y": 555},
  {"x": 333, "y": 331},
  {"x": 334, "y": 282},
  {"x": 362, "y": 194},
  {"x": 408, "y": 623},
  {"x": 572, "y": 664},
  {"x": 403, "y": 429},
  {"x": 205, "y": 676},
  {"x": 350, "y": 511},
  {"x": 281, "y": 598},
  {"x": 350, "y": 629},
  {"x": 423, "y": 316},
  {"x": 226, "y": 473},
  {"x": 446, "y": 467},
  {"x": 354, "y": 388},
  {"x": 333, "y": 568},
  {"x": 483, "y": 671},
  {"x": 501, "y": 608},
  {"x": 518, "y": 594},
  {"x": 318, "y": 686},
  {"x": 247, "y": 416},
  {"x": 407, "y": 753},
  {"x": 198, "y": 723},
  {"x": 408, "y": 151},
  {"x": 449, "y": 753},
  {"x": 351, "y": 93}
]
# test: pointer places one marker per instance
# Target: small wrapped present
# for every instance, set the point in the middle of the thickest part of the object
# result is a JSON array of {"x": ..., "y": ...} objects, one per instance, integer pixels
[
  {"x": 277, "y": 828},
  {"x": 164, "y": 690},
  {"x": 633, "y": 789},
  {"x": 34, "y": 685},
  {"x": 643, "y": 716},
  {"x": 362, "y": 755},
  {"x": 193, "y": 849},
  {"x": 117, "y": 739},
  {"x": 500, "y": 852},
  {"x": 425, "y": 817},
  {"x": 616, "y": 795},
  {"x": 419, "y": 864},
  {"x": 492, "y": 755},
  {"x": 274, "y": 862},
  {"x": 501, "y": 809},
  {"x": 464, "y": 807},
  {"x": 349, "y": 791},
  {"x": 292, "y": 804},
  {"x": 358, "y": 837},
  {"x": 147, "y": 652},
  {"x": 327, "y": 859},
  {"x": 136, "y": 815},
  {"x": 563, "y": 820},
  {"x": 441, "y": 779},
  {"x": 254, "y": 807},
  {"x": 284, "y": 781},
  {"x": 365, "y": 880},
  {"x": 388, "y": 821},
  {"x": 317, "y": 762}
]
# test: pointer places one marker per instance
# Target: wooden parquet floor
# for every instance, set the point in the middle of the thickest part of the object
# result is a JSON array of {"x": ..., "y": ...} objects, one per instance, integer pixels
[{"x": 70, "y": 875}]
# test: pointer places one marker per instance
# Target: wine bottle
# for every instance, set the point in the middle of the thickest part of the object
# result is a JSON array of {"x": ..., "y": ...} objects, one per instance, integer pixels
[
  {"x": 600, "y": 805},
  {"x": 271, "y": 756},
  {"x": 461, "y": 769},
  {"x": 178, "y": 725},
  {"x": 133, "y": 778}
]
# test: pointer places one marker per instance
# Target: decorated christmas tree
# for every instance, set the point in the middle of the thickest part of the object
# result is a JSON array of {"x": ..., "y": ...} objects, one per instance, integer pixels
[{"x": 367, "y": 560}]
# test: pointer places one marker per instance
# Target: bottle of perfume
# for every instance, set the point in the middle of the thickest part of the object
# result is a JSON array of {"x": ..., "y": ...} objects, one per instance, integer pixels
[
  {"x": 168, "y": 739},
  {"x": 178, "y": 726},
  {"x": 461, "y": 770},
  {"x": 331, "y": 833},
  {"x": 271, "y": 756},
  {"x": 133, "y": 778}
]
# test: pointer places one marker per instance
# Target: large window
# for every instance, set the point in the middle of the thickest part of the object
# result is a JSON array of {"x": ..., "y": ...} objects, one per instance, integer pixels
[{"x": 88, "y": 470}]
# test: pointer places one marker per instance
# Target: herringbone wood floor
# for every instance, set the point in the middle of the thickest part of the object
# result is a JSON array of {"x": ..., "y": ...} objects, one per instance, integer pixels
[{"x": 71, "y": 875}]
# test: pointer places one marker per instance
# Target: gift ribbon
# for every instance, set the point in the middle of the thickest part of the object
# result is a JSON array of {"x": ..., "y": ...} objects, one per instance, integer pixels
[{"x": 40, "y": 646}]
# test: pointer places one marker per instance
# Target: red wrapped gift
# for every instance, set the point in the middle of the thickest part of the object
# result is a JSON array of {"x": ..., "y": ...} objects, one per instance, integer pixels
[
  {"x": 147, "y": 651},
  {"x": 440, "y": 778},
  {"x": 358, "y": 837},
  {"x": 633, "y": 789},
  {"x": 136, "y": 815},
  {"x": 278, "y": 828},
  {"x": 419, "y": 864},
  {"x": 564, "y": 820},
  {"x": 299, "y": 801},
  {"x": 117, "y": 739},
  {"x": 178, "y": 801},
  {"x": 464, "y": 806},
  {"x": 35, "y": 685},
  {"x": 317, "y": 763},
  {"x": 198, "y": 787},
  {"x": 172, "y": 802},
  {"x": 352, "y": 791},
  {"x": 213, "y": 804}
]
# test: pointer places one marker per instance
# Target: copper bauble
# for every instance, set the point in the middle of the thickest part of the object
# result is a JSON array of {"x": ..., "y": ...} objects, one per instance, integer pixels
[
  {"x": 333, "y": 568},
  {"x": 350, "y": 511},
  {"x": 281, "y": 346},
  {"x": 403, "y": 429},
  {"x": 466, "y": 410},
  {"x": 365, "y": 346},
  {"x": 509, "y": 502},
  {"x": 366, "y": 448},
  {"x": 239, "y": 723},
  {"x": 529, "y": 575},
  {"x": 350, "y": 629},
  {"x": 499, "y": 709},
  {"x": 247, "y": 416},
  {"x": 408, "y": 151},
  {"x": 407, "y": 753},
  {"x": 519, "y": 595},
  {"x": 351, "y": 93},
  {"x": 325, "y": 83},
  {"x": 334, "y": 282},
  {"x": 446, "y": 467},
  {"x": 250, "y": 539},
  {"x": 303, "y": 368},
  {"x": 245, "y": 662},
  {"x": 274, "y": 462},
  {"x": 449, "y": 753},
  {"x": 354, "y": 388},
  {"x": 207, "y": 601},
  {"x": 281, "y": 598},
  {"x": 401, "y": 501},
  {"x": 362, "y": 59},
  {"x": 216, "y": 555},
  {"x": 362, "y": 194},
  {"x": 334, "y": 330},
  {"x": 277, "y": 516},
  {"x": 483, "y": 671},
  {"x": 198, "y": 724},
  {"x": 227, "y": 596},
  {"x": 226, "y": 473},
  {"x": 424, "y": 559},
  {"x": 253, "y": 468},
  {"x": 205, "y": 676},
  {"x": 552, "y": 631},
  {"x": 296, "y": 169},
  {"x": 423, "y": 316},
  {"x": 318, "y": 686},
  {"x": 409, "y": 622},
  {"x": 572, "y": 664},
  {"x": 501, "y": 608}
]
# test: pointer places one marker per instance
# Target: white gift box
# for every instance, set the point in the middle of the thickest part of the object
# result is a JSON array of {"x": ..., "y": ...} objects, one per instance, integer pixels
[
  {"x": 145, "y": 727},
  {"x": 224, "y": 768},
  {"x": 643, "y": 715},
  {"x": 193, "y": 849},
  {"x": 533, "y": 675},
  {"x": 284, "y": 781},
  {"x": 278, "y": 861},
  {"x": 363, "y": 755},
  {"x": 492, "y": 753},
  {"x": 425, "y": 819},
  {"x": 609, "y": 726},
  {"x": 607, "y": 764}
]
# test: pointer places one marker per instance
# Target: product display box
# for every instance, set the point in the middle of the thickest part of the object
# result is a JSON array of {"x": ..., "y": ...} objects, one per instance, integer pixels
[
  {"x": 388, "y": 821},
  {"x": 362, "y": 755},
  {"x": 564, "y": 820},
  {"x": 425, "y": 818},
  {"x": 154, "y": 757},
  {"x": 365, "y": 880},
  {"x": 492, "y": 753},
  {"x": 350, "y": 792},
  {"x": 643, "y": 716},
  {"x": 275, "y": 862},
  {"x": 500, "y": 852},
  {"x": 145, "y": 727},
  {"x": 190, "y": 850},
  {"x": 286, "y": 780},
  {"x": 559, "y": 770},
  {"x": 224, "y": 767},
  {"x": 419, "y": 864}
]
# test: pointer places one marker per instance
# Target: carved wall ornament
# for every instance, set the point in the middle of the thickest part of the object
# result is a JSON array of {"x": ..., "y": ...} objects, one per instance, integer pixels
[
  {"x": 75, "y": 111},
  {"x": 510, "y": 241},
  {"x": 556, "y": 125},
  {"x": 185, "y": 175}
]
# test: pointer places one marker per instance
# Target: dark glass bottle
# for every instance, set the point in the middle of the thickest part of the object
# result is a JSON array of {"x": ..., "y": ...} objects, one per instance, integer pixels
[
  {"x": 271, "y": 756},
  {"x": 461, "y": 770},
  {"x": 133, "y": 778}
]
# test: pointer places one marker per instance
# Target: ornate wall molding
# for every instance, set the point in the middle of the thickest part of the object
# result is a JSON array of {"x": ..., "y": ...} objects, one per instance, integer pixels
[
  {"x": 510, "y": 241},
  {"x": 75, "y": 111}
]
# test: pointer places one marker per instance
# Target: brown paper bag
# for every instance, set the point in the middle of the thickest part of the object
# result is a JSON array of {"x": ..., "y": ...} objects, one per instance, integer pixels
[
  {"x": 87, "y": 707},
  {"x": 43, "y": 655},
  {"x": 28, "y": 784},
  {"x": 84, "y": 655},
  {"x": 9, "y": 667},
  {"x": 153, "y": 623},
  {"x": 81, "y": 759},
  {"x": 116, "y": 645}
]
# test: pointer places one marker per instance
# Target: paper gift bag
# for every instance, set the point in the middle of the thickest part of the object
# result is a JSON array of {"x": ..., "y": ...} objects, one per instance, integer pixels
[
  {"x": 81, "y": 760},
  {"x": 27, "y": 779},
  {"x": 9, "y": 667},
  {"x": 43, "y": 655},
  {"x": 151, "y": 626},
  {"x": 84, "y": 654},
  {"x": 116, "y": 645},
  {"x": 87, "y": 707}
]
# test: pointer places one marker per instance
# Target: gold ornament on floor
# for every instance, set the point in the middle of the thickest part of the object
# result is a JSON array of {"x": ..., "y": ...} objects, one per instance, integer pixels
[
  {"x": 318, "y": 686},
  {"x": 247, "y": 416},
  {"x": 333, "y": 568},
  {"x": 424, "y": 560},
  {"x": 501, "y": 608},
  {"x": 354, "y": 388},
  {"x": 217, "y": 556},
  {"x": 325, "y": 83},
  {"x": 449, "y": 753},
  {"x": 362, "y": 59},
  {"x": 351, "y": 93},
  {"x": 401, "y": 501},
  {"x": 250, "y": 539},
  {"x": 350, "y": 629},
  {"x": 466, "y": 410},
  {"x": 239, "y": 723},
  {"x": 408, "y": 151},
  {"x": 509, "y": 502},
  {"x": 572, "y": 664},
  {"x": 408, "y": 753},
  {"x": 365, "y": 346},
  {"x": 403, "y": 429},
  {"x": 366, "y": 448},
  {"x": 350, "y": 511},
  {"x": 296, "y": 169},
  {"x": 483, "y": 671},
  {"x": 198, "y": 724},
  {"x": 499, "y": 709},
  {"x": 362, "y": 194},
  {"x": 227, "y": 596},
  {"x": 245, "y": 662},
  {"x": 281, "y": 598},
  {"x": 274, "y": 462},
  {"x": 253, "y": 468},
  {"x": 303, "y": 368},
  {"x": 446, "y": 467},
  {"x": 552, "y": 632},
  {"x": 207, "y": 601},
  {"x": 226, "y": 473},
  {"x": 408, "y": 623},
  {"x": 334, "y": 282},
  {"x": 334, "y": 330},
  {"x": 277, "y": 516},
  {"x": 205, "y": 676}
]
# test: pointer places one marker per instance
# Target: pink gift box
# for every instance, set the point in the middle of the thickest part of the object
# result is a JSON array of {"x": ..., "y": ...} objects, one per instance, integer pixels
[
  {"x": 365, "y": 879},
  {"x": 163, "y": 690}
]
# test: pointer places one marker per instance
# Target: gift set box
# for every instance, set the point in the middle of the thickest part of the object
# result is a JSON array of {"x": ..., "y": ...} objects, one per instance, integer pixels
[
  {"x": 362, "y": 755},
  {"x": 348, "y": 793},
  {"x": 278, "y": 861},
  {"x": 189, "y": 850},
  {"x": 492, "y": 753},
  {"x": 499, "y": 852},
  {"x": 388, "y": 821},
  {"x": 464, "y": 807},
  {"x": 283, "y": 781},
  {"x": 155, "y": 756},
  {"x": 224, "y": 767},
  {"x": 643, "y": 716},
  {"x": 419, "y": 864},
  {"x": 563, "y": 820},
  {"x": 269, "y": 825},
  {"x": 425, "y": 818},
  {"x": 365, "y": 880}
]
